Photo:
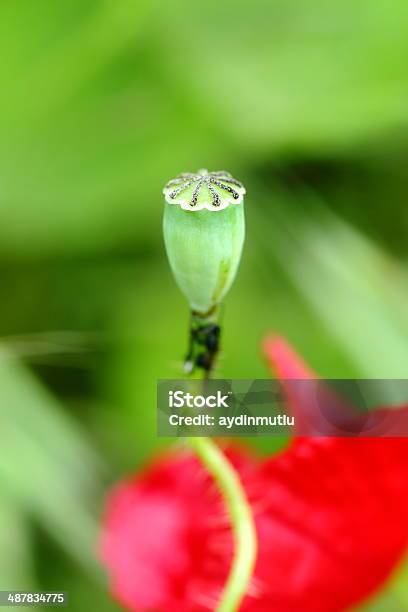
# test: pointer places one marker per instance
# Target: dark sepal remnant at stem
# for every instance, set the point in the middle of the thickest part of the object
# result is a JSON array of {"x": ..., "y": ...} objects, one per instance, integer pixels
[{"x": 204, "y": 344}]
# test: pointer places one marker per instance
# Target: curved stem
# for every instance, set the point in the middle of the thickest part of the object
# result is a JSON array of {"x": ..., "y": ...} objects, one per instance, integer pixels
[{"x": 240, "y": 513}]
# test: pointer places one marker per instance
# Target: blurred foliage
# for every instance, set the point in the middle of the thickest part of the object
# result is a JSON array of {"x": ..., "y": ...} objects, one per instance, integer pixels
[{"x": 102, "y": 102}]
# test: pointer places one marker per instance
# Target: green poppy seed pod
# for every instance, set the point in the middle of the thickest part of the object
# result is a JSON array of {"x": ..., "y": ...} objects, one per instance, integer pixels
[{"x": 204, "y": 231}]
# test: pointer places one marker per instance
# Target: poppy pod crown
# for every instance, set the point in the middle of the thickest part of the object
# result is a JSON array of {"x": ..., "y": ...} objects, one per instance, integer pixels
[
  {"x": 204, "y": 230},
  {"x": 197, "y": 190}
]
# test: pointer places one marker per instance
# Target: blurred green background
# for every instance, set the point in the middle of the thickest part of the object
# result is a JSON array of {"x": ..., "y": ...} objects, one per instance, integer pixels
[{"x": 102, "y": 101}]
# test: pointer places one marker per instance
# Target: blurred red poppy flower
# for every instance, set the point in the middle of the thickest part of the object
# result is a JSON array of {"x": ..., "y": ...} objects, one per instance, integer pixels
[{"x": 331, "y": 515}]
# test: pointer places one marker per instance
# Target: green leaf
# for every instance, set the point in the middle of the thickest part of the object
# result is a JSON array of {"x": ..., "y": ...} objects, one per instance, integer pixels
[{"x": 47, "y": 465}]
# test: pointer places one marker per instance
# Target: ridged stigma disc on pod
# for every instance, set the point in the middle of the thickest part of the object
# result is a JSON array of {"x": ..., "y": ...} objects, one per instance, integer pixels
[{"x": 204, "y": 231}]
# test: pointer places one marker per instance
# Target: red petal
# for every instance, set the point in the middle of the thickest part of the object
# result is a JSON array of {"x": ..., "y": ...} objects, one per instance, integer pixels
[
  {"x": 343, "y": 504},
  {"x": 167, "y": 540},
  {"x": 331, "y": 515},
  {"x": 334, "y": 522},
  {"x": 284, "y": 361},
  {"x": 317, "y": 409}
]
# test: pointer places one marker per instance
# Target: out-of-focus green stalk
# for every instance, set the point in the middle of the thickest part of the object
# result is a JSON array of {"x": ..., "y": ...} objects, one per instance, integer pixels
[
  {"x": 242, "y": 522},
  {"x": 240, "y": 514}
]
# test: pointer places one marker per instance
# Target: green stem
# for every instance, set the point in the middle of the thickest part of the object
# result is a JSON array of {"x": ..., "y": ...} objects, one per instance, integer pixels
[
  {"x": 204, "y": 337},
  {"x": 240, "y": 513}
]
